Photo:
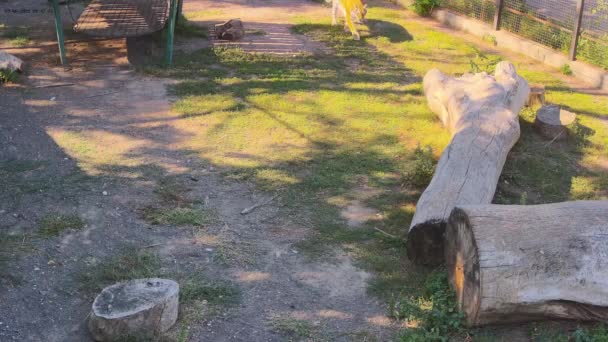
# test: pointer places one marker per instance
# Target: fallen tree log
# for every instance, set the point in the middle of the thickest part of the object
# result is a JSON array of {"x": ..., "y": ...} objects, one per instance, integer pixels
[
  {"x": 510, "y": 263},
  {"x": 481, "y": 112}
]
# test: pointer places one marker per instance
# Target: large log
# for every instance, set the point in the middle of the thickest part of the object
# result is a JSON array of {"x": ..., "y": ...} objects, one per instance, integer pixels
[
  {"x": 510, "y": 263},
  {"x": 481, "y": 111}
]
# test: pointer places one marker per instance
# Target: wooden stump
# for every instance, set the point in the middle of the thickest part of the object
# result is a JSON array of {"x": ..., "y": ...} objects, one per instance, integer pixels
[
  {"x": 481, "y": 111},
  {"x": 511, "y": 263},
  {"x": 537, "y": 96},
  {"x": 552, "y": 121},
  {"x": 231, "y": 30},
  {"x": 139, "y": 309}
]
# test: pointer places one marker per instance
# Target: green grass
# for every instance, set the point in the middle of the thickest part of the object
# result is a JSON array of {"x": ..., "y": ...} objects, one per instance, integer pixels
[
  {"x": 17, "y": 36},
  {"x": 55, "y": 224},
  {"x": 317, "y": 127},
  {"x": 198, "y": 288},
  {"x": 292, "y": 329},
  {"x": 185, "y": 28},
  {"x": 131, "y": 263}
]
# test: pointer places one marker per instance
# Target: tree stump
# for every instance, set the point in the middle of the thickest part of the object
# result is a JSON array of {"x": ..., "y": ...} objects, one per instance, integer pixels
[
  {"x": 537, "y": 96},
  {"x": 141, "y": 309},
  {"x": 481, "y": 111},
  {"x": 510, "y": 263},
  {"x": 551, "y": 122},
  {"x": 231, "y": 30}
]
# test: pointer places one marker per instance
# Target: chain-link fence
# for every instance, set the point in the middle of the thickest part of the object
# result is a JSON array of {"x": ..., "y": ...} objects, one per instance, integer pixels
[{"x": 549, "y": 22}]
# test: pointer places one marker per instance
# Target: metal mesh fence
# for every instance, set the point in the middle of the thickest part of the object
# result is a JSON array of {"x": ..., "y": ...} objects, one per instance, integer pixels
[
  {"x": 593, "y": 42},
  {"x": 548, "y": 22},
  {"x": 483, "y": 10}
]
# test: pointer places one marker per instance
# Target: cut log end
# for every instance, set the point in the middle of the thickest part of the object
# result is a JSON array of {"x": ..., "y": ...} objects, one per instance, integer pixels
[
  {"x": 462, "y": 263},
  {"x": 552, "y": 121},
  {"x": 425, "y": 243}
]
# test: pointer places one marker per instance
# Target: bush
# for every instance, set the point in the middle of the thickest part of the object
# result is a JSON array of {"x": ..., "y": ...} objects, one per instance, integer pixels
[
  {"x": 425, "y": 7},
  {"x": 8, "y": 76},
  {"x": 423, "y": 167}
]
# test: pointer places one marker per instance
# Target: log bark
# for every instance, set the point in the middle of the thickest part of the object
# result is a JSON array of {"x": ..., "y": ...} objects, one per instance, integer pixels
[
  {"x": 481, "y": 112},
  {"x": 510, "y": 263},
  {"x": 140, "y": 309}
]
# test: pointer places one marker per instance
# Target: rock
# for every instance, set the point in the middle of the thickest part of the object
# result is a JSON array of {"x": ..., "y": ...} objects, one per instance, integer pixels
[
  {"x": 10, "y": 62},
  {"x": 552, "y": 121},
  {"x": 141, "y": 308}
]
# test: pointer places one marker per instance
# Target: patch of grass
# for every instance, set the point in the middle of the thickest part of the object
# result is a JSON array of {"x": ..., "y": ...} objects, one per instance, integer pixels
[
  {"x": 255, "y": 32},
  {"x": 8, "y": 76},
  {"x": 177, "y": 216},
  {"x": 11, "y": 247},
  {"x": 291, "y": 328},
  {"x": 55, "y": 224},
  {"x": 185, "y": 28},
  {"x": 597, "y": 334},
  {"x": 17, "y": 36},
  {"x": 214, "y": 292},
  {"x": 129, "y": 264},
  {"x": 432, "y": 316},
  {"x": 566, "y": 70},
  {"x": 180, "y": 216}
]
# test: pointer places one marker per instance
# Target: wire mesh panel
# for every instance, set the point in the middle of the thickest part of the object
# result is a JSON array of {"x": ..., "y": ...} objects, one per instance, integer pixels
[
  {"x": 549, "y": 22},
  {"x": 479, "y": 9},
  {"x": 593, "y": 42}
]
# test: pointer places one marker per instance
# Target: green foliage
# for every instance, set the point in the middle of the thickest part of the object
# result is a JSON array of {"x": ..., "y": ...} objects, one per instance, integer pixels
[
  {"x": 566, "y": 70},
  {"x": 425, "y": 7},
  {"x": 294, "y": 329},
  {"x": 54, "y": 225},
  {"x": 8, "y": 76},
  {"x": 434, "y": 311},
  {"x": 185, "y": 28},
  {"x": 422, "y": 167},
  {"x": 598, "y": 334}
]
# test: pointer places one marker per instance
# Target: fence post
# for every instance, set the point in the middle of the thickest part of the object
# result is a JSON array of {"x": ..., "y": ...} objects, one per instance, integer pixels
[
  {"x": 59, "y": 29},
  {"x": 498, "y": 14},
  {"x": 580, "y": 7}
]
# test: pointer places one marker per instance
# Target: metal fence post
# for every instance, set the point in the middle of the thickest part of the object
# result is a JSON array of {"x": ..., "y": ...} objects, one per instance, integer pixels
[
  {"x": 170, "y": 33},
  {"x": 498, "y": 14},
  {"x": 59, "y": 28},
  {"x": 580, "y": 7}
]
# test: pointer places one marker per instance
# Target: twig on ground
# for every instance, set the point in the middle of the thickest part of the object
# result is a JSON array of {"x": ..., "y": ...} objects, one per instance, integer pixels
[
  {"x": 255, "y": 206},
  {"x": 102, "y": 94},
  {"x": 385, "y": 233},
  {"x": 152, "y": 245},
  {"x": 54, "y": 85}
]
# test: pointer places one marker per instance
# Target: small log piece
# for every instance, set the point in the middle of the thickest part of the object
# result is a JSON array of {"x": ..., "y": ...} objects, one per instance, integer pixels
[
  {"x": 481, "y": 112},
  {"x": 231, "y": 30},
  {"x": 551, "y": 122},
  {"x": 140, "y": 309},
  {"x": 510, "y": 263},
  {"x": 537, "y": 96}
]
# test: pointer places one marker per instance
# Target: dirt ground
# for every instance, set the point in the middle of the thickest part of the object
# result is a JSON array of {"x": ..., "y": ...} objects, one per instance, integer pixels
[{"x": 102, "y": 97}]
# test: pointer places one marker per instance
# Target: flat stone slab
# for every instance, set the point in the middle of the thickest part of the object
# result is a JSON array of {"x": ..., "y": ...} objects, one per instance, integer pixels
[{"x": 141, "y": 308}]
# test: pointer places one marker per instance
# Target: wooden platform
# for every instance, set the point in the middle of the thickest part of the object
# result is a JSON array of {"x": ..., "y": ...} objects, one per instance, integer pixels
[{"x": 123, "y": 18}]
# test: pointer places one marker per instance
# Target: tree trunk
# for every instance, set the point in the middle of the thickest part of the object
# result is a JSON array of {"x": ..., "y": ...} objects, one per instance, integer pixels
[
  {"x": 481, "y": 111},
  {"x": 511, "y": 263}
]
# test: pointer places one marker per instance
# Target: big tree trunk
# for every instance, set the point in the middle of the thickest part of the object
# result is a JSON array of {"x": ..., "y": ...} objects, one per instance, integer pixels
[
  {"x": 481, "y": 112},
  {"x": 512, "y": 263}
]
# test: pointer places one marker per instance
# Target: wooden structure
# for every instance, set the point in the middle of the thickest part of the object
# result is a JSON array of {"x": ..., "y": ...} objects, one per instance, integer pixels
[
  {"x": 552, "y": 122},
  {"x": 122, "y": 19},
  {"x": 511, "y": 263},
  {"x": 481, "y": 112}
]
